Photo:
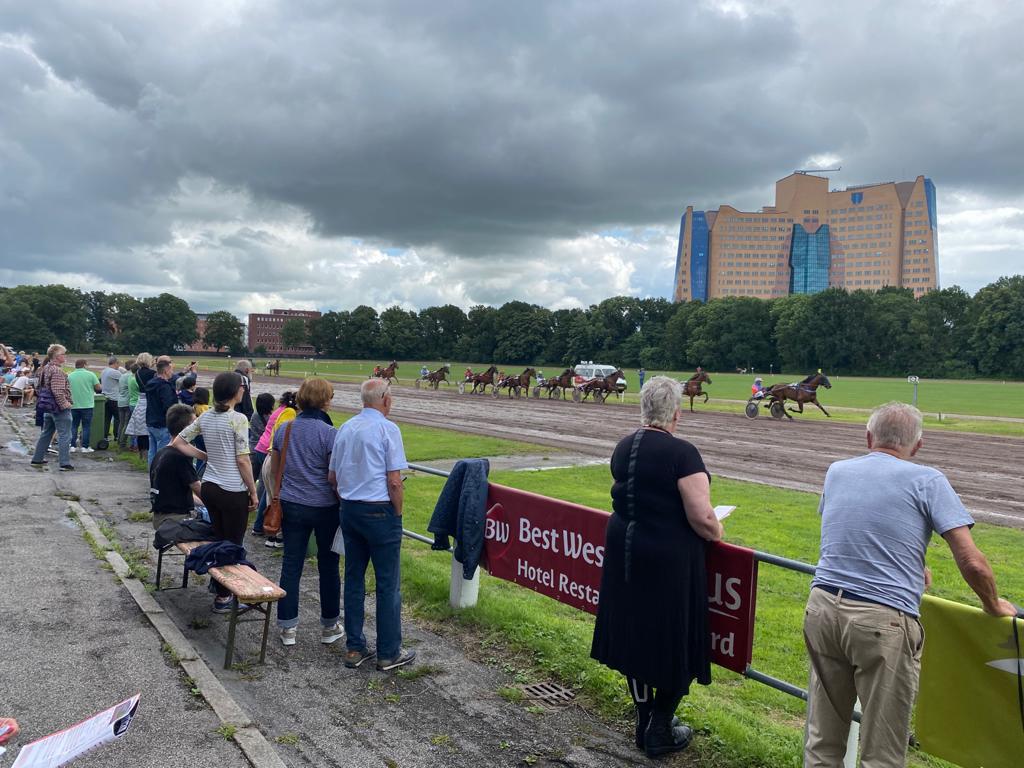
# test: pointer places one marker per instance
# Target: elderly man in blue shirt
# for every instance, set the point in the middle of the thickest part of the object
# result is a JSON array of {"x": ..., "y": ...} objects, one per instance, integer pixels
[{"x": 366, "y": 465}]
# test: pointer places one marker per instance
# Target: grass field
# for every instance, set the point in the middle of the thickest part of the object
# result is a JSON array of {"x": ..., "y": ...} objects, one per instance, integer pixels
[{"x": 973, "y": 398}]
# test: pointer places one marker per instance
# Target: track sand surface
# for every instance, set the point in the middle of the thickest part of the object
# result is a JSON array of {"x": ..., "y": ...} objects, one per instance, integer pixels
[{"x": 985, "y": 470}]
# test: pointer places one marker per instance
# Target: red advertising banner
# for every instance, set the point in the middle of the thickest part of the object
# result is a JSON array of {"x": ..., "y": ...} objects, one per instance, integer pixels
[{"x": 556, "y": 548}]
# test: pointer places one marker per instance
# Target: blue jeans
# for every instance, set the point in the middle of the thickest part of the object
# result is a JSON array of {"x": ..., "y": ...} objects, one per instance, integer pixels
[
  {"x": 373, "y": 532},
  {"x": 81, "y": 417},
  {"x": 61, "y": 424},
  {"x": 297, "y": 523},
  {"x": 159, "y": 438}
]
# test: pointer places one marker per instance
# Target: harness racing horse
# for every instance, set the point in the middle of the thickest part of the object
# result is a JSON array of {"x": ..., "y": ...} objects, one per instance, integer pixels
[
  {"x": 483, "y": 379},
  {"x": 601, "y": 388},
  {"x": 804, "y": 392},
  {"x": 691, "y": 387},
  {"x": 435, "y": 378},
  {"x": 562, "y": 382},
  {"x": 515, "y": 383},
  {"x": 273, "y": 368},
  {"x": 387, "y": 373}
]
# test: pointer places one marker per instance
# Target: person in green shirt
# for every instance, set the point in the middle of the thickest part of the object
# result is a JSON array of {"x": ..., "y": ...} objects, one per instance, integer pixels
[{"x": 84, "y": 386}]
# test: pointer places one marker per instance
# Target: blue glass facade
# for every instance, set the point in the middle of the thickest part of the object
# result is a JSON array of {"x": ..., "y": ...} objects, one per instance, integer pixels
[
  {"x": 929, "y": 194},
  {"x": 809, "y": 260},
  {"x": 699, "y": 254}
]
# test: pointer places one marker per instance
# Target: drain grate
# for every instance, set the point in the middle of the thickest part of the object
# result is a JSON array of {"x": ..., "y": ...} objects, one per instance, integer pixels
[{"x": 549, "y": 694}]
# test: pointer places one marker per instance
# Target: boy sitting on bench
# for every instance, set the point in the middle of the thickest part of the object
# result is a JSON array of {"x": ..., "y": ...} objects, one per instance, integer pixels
[{"x": 173, "y": 482}]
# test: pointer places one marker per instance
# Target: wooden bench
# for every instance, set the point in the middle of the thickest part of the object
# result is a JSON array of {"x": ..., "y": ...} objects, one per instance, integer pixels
[{"x": 249, "y": 587}]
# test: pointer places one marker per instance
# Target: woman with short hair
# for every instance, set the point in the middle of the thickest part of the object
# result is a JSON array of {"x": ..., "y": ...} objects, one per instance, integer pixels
[
  {"x": 228, "y": 489},
  {"x": 309, "y": 506},
  {"x": 652, "y": 623},
  {"x": 144, "y": 371}
]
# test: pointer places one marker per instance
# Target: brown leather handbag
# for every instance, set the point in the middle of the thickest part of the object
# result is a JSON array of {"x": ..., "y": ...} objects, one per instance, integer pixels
[{"x": 272, "y": 517}]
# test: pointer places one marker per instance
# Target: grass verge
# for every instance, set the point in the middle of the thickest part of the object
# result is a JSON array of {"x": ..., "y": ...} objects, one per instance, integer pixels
[{"x": 744, "y": 724}]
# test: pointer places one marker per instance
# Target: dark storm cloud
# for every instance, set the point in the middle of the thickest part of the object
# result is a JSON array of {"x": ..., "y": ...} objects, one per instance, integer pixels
[{"x": 137, "y": 139}]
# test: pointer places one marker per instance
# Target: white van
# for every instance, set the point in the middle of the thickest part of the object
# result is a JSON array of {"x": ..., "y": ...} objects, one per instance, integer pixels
[{"x": 586, "y": 371}]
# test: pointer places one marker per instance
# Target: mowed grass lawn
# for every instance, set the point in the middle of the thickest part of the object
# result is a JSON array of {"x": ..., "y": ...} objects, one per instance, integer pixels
[
  {"x": 974, "y": 397},
  {"x": 742, "y": 722}
]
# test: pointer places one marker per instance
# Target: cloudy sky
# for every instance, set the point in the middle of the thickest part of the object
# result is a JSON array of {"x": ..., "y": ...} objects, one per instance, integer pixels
[{"x": 321, "y": 153}]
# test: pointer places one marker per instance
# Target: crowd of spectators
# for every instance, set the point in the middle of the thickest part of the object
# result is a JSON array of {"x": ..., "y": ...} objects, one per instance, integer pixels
[{"x": 18, "y": 375}]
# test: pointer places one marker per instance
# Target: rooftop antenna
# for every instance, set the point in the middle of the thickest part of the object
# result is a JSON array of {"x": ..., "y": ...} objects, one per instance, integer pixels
[{"x": 806, "y": 171}]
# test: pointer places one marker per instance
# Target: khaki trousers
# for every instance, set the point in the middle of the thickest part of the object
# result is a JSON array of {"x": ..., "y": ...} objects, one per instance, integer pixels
[{"x": 866, "y": 651}]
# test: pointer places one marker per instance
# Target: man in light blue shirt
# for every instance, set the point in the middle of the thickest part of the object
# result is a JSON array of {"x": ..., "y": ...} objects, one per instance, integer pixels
[
  {"x": 366, "y": 465},
  {"x": 861, "y": 627}
]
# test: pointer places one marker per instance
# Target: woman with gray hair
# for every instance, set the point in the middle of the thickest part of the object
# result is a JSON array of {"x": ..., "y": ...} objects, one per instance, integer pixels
[{"x": 652, "y": 623}]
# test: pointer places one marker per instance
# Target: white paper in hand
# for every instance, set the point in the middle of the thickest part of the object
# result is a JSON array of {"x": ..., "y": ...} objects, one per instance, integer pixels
[
  {"x": 338, "y": 545},
  {"x": 722, "y": 511}
]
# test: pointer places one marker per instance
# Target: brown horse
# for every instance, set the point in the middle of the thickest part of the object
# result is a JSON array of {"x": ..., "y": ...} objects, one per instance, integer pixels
[
  {"x": 387, "y": 373},
  {"x": 435, "y": 378},
  {"x": 515, "y": 383},
  {"x": 562, "y": 382},
  {"x": 691, "y": 387},
  {"x": 483, "y": 379},
  {"x": 274, "y": 368},
  {"x": 804, "y": 392},
  {"x": 601, "y": 388}
]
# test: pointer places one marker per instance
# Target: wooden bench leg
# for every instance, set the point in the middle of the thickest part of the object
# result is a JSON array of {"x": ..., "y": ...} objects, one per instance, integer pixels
[
  {"x": 232, "y": 624},
  {"x": 266, "y": 632}
]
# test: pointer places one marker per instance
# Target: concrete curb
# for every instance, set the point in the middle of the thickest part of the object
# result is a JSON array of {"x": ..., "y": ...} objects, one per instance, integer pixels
[{"x": 254, "y": 745}]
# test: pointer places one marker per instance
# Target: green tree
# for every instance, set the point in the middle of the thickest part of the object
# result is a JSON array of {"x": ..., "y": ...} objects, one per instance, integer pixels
[
  {"x": 889, "y": 320},
  {"x": 521, "y": 333},
  {"x": 325, "y": 334},
  {"x": 259, "y": 350},
  {"x": 21, "y": 328},
  {"x": 162, "y": 325},
  {"x": 400, "y": 337},
  {"x": 223, "y": 329},
  {"x": 294, "y": 333},
  {"x": 941, "y": 333},
  {"x": 479, "y": 339},
  {"x": 792, "y": 323},
  {"x": 441, "y": 328},
  {"x": 732, "y": 332},
  {"x": 678, "y": 328},
  {"x": 997, "y": 333},
  {"x": 62, "y": 309},
  {"x": 360, "y": 333}
]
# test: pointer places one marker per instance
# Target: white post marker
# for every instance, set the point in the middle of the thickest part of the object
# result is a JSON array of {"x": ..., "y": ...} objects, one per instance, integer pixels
[
  {"x": 462, "y": 592},
  {"x": 914, "y": 380}
]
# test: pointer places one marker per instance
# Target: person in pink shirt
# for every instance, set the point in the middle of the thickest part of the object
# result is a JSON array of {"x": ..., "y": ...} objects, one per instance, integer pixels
[{"x": 284, "y": 413}]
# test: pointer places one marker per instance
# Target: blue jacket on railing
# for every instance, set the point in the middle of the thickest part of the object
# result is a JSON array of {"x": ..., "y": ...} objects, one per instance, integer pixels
[{"x": 460, "y": 512}]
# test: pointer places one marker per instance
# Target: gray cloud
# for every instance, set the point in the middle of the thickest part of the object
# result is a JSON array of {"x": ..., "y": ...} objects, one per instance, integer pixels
[{"x": 313, "y": 152}]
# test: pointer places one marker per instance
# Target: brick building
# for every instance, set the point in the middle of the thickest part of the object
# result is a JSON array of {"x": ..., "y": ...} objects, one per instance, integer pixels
[
  {"x": 198, "y": 345},
  {"x": 858, "y": 238},
  {"x": 265, "y": 330}
]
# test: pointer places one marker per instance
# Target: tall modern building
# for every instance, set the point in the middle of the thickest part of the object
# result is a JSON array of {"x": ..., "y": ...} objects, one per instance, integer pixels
[{"x": 862, "y": 237}]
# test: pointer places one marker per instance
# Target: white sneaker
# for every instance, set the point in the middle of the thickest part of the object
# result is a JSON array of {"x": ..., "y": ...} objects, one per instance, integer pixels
[
  {"x": 72, "y": 449},
  {"x": 329, "y": 635},
  {"x": 288, "y": 635},
  {"x": 87, "y": 450}
]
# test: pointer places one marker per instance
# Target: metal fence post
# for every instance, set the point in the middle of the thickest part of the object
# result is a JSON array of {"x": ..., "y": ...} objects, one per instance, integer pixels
[{"x": 462, "y": 592}]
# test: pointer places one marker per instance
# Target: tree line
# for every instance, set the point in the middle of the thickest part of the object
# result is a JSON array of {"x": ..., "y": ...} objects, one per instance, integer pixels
[{"x": 945, "y": 333}]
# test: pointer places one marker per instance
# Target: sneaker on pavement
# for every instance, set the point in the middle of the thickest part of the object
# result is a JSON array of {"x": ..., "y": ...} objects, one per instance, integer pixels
[
  {"x": 38, "y": 463},
  {"x": 66, "y": 468},
  {"x": 354, "y": 658},
  {"x": 86, "y": 450},
  {"x": 404, "y": 657},
  {"x": 72, "y": 449},
  {"x": 222, "y": 606},
  {"x": 288, "y": 635},
  {"x": 52, "y": 450},
  {"x": 256, "y": 533},
  {"x": 329, "y": 634},
  {"x": 274, "y": 542}
]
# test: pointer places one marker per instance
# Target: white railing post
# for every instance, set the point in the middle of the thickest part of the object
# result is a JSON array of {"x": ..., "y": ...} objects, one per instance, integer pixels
[
  {"x": 850, "y": 761},
  {"x": 462, "y": 593}
]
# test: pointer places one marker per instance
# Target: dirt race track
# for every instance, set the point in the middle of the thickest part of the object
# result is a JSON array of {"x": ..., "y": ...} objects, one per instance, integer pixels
[{"x": 985, "y": 470}]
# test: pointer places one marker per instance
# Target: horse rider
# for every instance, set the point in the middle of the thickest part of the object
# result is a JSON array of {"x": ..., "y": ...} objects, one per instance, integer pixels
[
  {"x": 540, "y": 378},
  {"x": 376, "y": 371},
  {"x": 424, "y": 371},
  {"x": 469, "y": 374},
  {"x": 757, "y": 388}
]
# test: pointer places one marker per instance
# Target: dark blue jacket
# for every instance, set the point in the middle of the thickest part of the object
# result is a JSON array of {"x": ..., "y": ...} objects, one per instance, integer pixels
[
  {"x": 215, "y": 555},
  {"x": 160, "y": 396},
  {"x": 460, "y": 512}
]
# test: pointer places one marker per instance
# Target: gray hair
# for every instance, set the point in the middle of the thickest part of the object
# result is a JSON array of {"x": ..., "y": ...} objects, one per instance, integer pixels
[
  {"x": 55, "y": 349},
  {"x": 112, "y": 361},
  {"x": 895, "y": 425},
  {"x": 373, "y": 391},
  {"x": 659, "y": 399},
  {"x": 245, "y": 365}
]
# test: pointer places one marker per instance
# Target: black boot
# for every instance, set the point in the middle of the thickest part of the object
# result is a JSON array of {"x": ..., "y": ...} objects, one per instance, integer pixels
[
  {"x": 643, "y": 717},
  {"x": 661, "y": 737}
]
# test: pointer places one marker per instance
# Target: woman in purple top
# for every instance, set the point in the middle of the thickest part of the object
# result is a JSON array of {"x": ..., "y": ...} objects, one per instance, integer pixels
[{"x": 309, "y": 506}]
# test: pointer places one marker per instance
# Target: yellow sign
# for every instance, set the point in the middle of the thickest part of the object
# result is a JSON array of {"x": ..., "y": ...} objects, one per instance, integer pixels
[{"x": 968, "y": 708}]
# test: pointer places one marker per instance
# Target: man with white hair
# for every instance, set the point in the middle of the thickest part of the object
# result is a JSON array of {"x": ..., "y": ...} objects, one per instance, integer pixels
[
  {"x": 861, "y": 627},
  {"x": 366, "y": 464},
  {"x": 244, "y": 369}
]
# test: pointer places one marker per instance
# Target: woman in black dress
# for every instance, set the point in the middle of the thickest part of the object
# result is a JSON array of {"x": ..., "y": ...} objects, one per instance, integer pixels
[{"x": 652, "y": 623}]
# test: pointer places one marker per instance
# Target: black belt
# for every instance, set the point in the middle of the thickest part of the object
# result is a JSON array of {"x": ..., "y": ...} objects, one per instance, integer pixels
[
  {"x": 369, "y": 503},
  {"x": 849, "y": 595}
]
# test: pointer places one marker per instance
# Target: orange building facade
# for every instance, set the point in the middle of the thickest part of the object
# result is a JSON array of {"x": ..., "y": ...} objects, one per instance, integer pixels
[{"x": 859, "y": 238}]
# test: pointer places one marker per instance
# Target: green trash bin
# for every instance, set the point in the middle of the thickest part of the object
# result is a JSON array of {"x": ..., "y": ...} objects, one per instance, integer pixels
[{"x": 96, "y": 433}]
